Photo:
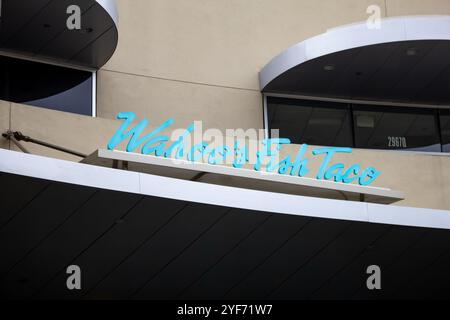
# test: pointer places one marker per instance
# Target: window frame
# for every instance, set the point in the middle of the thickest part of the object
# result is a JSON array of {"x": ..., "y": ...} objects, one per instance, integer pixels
[
  {"x": 266, "y": 128},
  {"x": 94, "y": 94},
  {"x": 93, "y": 85}
]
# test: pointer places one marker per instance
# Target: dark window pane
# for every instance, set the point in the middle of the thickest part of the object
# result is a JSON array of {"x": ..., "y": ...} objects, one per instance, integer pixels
[
  {"x": 46, "y": 86},
  {"x": 311, "y": 122},
  {"x": 75, "y": 100},
  {"x": 445, "y": 129},
  {"x": 396, "y": 128}
]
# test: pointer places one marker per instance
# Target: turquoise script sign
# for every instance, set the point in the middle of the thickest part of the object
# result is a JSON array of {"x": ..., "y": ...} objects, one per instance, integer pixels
[{"x": 266, "y": 159}]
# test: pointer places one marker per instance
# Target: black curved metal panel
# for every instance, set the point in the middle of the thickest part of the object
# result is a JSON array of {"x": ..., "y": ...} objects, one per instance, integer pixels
[
  {"x": 145, "y": 247},
  {"x": 402, "y": 72},
  {"x": 37, "y": 30}
]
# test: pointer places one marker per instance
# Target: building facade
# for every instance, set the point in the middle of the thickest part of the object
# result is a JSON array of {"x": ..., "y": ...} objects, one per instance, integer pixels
[{"x": 366, "y": 75}]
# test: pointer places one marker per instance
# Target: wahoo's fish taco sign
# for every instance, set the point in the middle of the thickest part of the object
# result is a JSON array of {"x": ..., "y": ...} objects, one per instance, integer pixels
[{"x": 267, "y": 157}]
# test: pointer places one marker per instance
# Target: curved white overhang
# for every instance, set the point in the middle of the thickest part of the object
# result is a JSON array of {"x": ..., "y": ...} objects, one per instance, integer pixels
[
  {"x": 111, "y": 7},
  {"x": 37, "y": 30},
  {"x": 16, "y": 163},
  {"x": 406, "y": 59}
]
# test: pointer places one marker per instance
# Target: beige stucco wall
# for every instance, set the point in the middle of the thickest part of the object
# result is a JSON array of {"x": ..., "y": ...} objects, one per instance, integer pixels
[
  {"x": 417, "y": 7},
  {"x": 221, "y": 42},
  {"x": 199, "y": 60},
  {"x": 181, "y": 58},
  {"x": 424, "y": 178},
  {"x": 75, "y": 132},
  {"x": 4, "y": 122},
  {"x": 184, "y": 102}
]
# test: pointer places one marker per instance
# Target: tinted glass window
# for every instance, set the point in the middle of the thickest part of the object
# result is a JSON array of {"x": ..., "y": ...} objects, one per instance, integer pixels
[
  {"x": 396, "y": 128},
  {"x": 361, "y": 126},
  {"x": 46, "y": 86},
  {"x": 75, "y": 100},
  {"x": 311, "y": 122},
  {"x": 445, "y": 130}
]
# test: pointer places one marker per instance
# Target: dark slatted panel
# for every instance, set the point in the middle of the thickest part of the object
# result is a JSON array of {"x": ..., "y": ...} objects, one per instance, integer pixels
[
  {"x": 309, "y": 277},
  {"x": 131, "y": 246},
  {"x": 204, "y": 253},
  {"x": 395, "y": 69},
  {"x": 347, "y": 281},
  {"x": 143, "y": 222},
  {"x": 12, "y": 23},
  {"x": 50, "y": 22},
  {"x": 94, "y": 19},
  {"x": 432, "y": 282},
  {"x": 382, "y": 72},
  {"x": 273, "y": 234},
  {"x": 16, "y": 193},
  {"x": 37, "y": 29},
  {"x": 316, "y": 236},
  {"x": 420, "y": 78},
  {"x": 38, "y": 220},
  {"x": 412, "y": 263},
  {"x": 59, "y": 249},
  {"x": 365, "y": 64},
  {"x": 156, "y": 253},
  {"x": 99, "y": 52}
]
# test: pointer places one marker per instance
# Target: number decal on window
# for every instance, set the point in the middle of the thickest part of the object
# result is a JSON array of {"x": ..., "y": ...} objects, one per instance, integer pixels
[{"x": 397, "y": 142}]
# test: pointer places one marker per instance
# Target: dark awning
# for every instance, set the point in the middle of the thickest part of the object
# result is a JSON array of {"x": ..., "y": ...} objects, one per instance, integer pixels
[
  {"x": 134, "y": 246},
  {"x": 141, "y": 236},
  {"x": 406, "y": 60},
  {"x": 37, "y": 30}
]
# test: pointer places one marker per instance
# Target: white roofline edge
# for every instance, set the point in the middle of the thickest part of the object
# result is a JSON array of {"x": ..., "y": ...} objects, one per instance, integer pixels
[
  {"x": 111, "y": 7},
  {"x": 146, "y": 184},
  {"x": 251, "y": 174}
]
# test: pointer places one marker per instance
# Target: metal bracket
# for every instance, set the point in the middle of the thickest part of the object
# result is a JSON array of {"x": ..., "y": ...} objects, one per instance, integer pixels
[
  {"x": 16, "y": 136},
  {"x": 9, "y": 135}
]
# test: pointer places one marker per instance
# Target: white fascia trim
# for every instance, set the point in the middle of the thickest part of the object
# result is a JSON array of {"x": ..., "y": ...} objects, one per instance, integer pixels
[
  {"x": 111, "y": 7},
  {"x": 94, "y": 94},
  {"x": 251, "y": 174},
  {"x": 146, "y": 184}
]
